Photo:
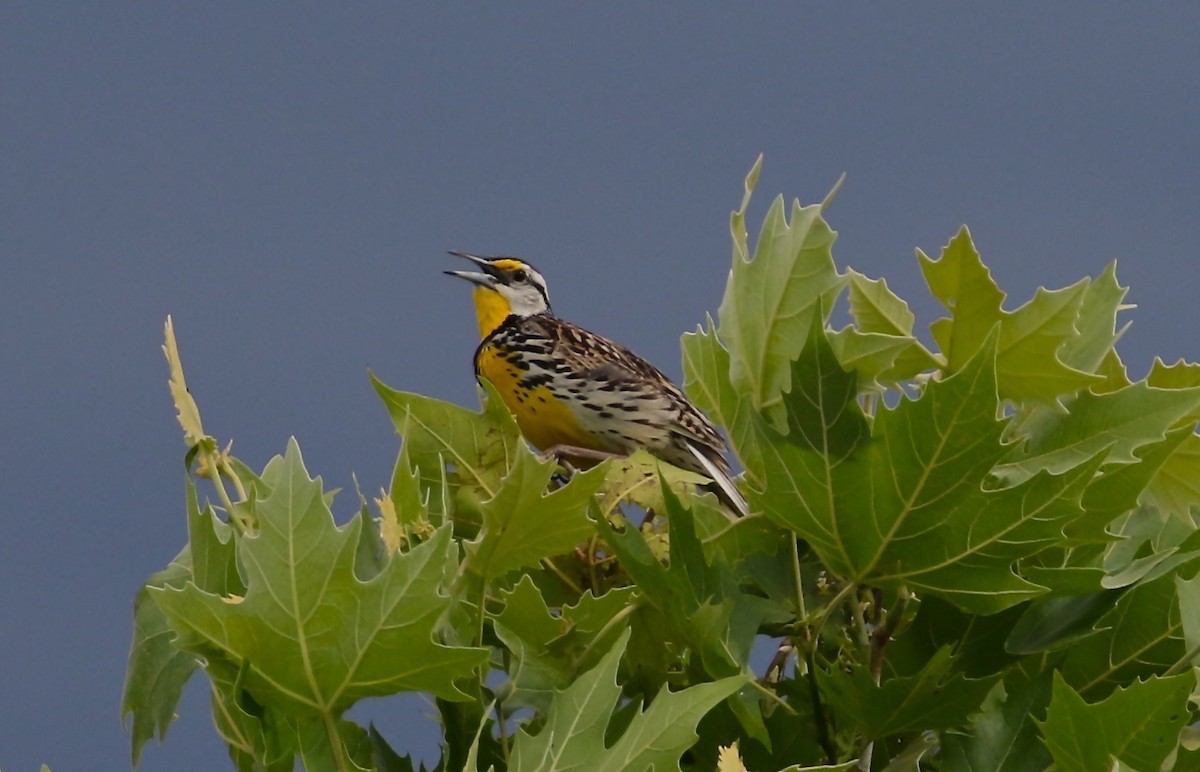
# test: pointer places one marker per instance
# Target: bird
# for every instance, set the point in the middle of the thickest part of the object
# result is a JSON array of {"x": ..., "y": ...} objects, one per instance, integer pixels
[{"x": 579, "y": 395}]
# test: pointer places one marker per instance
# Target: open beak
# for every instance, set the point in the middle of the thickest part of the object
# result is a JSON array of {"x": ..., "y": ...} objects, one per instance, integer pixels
[{"x": 488, "y": 278}]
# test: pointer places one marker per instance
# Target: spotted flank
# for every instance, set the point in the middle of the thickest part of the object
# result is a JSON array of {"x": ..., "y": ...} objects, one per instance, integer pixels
[{"x": 568, "y": 387}]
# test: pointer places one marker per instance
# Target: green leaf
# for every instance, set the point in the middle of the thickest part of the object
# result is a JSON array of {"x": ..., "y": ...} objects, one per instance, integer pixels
[
  {"x": 1117, "y": 489},
  {"x": 1138, "y": 724},
  {"x": 694, "y": 604},
  {"x": 706, "y": 380},
  {"x": 343, "y": 745},
  {"x": 212, "y": 544},
  {"x": 526, "y": 627},
  {"x": 590, "y": 626},
  {"x": 701, "y": 603},
  {"x": 1188, "y": 593},
  {"x": 932, "y": 699},
  {"x": 468, "y": 737},
  {"x": 638, "y": 479},
  {"x": 770, "y": 299},
  {"x": 706, "y": 360},
  {"x": 157, "y": 670},
  {"x": 1112, "y": 370},
  {"x": 1181, "y": 375},
  {"x": 478, "y": 448},
  {"x": 879, "y": 358},
  {"x": 913, "y": 504},
  {"x": 793, "y": 733},
  {"x": 384, "y": 758},
  {"x": 876, "y": 308},
  {"x": 574, "y": 733},
  {"x": 257, "y": 736},
  {"x": 314, "y": 636},
  {"x": 881, "y": 345},
  {"x": 409, "y": 502},
  {"x": 978, "y": 641},
  {"x": 1048, "y": 623},
  {"x": 1096, "y": 323},
  {"x": 1141, "y": 636},
  {"x": 1121, "y": 421},
  {"x": 523, "y": 524},
  {"x": 1027, "y": 363},
  {"x": 1152, "y": 545},
  {"x": 1002, "y": 736},
  {"x": 737, "y": 219},
  {"x": 960, "y": 280},
  {"x": 1175, "y": 490},
  {"x": 525, "y": 612},
  {"x": 805, "y": 472}
]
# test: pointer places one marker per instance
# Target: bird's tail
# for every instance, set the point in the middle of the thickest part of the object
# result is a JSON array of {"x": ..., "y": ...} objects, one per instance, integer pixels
[{"x": 728, "y": 492}]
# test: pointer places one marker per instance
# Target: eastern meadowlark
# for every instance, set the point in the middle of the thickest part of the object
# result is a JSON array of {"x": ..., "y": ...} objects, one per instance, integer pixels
[{"x": 575, "y": 393}]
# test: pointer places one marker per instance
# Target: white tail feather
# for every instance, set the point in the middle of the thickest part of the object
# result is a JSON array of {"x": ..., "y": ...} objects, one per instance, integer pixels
[{"x": 722, "y": 479}]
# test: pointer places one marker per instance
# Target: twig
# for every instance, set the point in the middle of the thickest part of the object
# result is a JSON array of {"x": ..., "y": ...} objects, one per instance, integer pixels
[
  {"x": 798, "y": 579},
  {"x": 503, "y": 733},
  {"x": 865, "y": 639},
  {"x": 814, "y": 692},
  {"x": 773, "y": 697},
  {"x": 829, "y": 608},
  {"x": 554, "y": 569},
  {"x": 591, "y": 564},
  {"x": 885, "y": 628}
]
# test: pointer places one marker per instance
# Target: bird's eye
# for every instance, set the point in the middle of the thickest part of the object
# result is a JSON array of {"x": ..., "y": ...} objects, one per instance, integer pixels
[{"x": 519, "y": 276}]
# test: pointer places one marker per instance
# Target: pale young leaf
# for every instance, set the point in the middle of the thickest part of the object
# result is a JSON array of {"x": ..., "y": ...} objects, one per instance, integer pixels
[{"x": 188, "y": 413}]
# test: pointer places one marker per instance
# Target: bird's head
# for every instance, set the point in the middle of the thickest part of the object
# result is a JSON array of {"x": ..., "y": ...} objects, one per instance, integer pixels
[{"x": 504, "y": 287}]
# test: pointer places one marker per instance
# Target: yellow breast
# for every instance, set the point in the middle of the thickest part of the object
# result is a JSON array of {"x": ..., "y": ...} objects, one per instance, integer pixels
[
  {"x": 543, "y": 419},
  {"x": 491, "y": 309}
]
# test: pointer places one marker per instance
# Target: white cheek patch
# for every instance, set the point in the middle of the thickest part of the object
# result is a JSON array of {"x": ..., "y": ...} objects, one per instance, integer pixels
[{"x": 524, "y": 300}]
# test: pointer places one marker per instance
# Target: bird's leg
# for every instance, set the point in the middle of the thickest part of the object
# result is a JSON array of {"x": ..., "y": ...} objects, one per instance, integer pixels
[{"x": 564, "y": 454}]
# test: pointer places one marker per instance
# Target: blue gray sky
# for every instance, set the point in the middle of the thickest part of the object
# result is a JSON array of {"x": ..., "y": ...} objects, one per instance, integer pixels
[{"x": 285, "y": 181}]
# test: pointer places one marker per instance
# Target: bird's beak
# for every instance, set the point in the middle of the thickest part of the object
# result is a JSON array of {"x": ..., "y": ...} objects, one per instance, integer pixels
[{"x": 489, "y": 278}]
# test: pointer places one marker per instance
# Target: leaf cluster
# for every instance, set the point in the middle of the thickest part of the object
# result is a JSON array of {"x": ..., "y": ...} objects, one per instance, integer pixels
[{"x": 977, "y": 551}]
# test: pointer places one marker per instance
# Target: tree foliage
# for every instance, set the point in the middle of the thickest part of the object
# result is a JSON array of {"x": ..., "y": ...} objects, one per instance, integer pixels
[{"x": 977, "y": 553}]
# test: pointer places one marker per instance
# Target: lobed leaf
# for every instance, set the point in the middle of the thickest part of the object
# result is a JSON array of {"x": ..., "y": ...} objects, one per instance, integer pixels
[
  {"x": 1002, "y": 735},
  {"x": 1028, "y": 366},
  {"x": 770, "y": 298},
  {"x": 706, "y": 380},
  {"x": 523, "y": 524},
  {"x": 1137, "y": 724},
  {"x": 912, "y": 503},
  {"x": 700, "y": 603},
  {"x": 1096, "y": 323},
  {"x": 1121, "y": 421},
  {"x": 313, "y": 637},
  {"x": 932, "y": 699},
  {"x": 1175, "y": 489},
  {"x": 574, "y": 733},
  {"x": 157, "y": 671},
  {"x": 477, "y": 449},
  {"x": 1141, "y": 636}
]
